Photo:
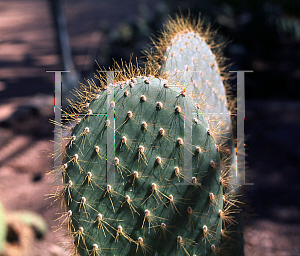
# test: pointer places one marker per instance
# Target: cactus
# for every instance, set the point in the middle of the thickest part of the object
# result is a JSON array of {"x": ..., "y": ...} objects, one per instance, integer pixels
[
  {"x": 169, "y": 190},
  {"x": 183, "y": 54}
]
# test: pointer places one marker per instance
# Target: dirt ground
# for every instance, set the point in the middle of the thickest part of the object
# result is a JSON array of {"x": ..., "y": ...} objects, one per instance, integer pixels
[{"x": 27, "y": 49}]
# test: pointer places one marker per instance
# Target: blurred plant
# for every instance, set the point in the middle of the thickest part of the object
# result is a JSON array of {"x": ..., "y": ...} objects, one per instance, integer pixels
[
  {"x": 3, "y": 228},
  {"x": 17, "y": 225}
]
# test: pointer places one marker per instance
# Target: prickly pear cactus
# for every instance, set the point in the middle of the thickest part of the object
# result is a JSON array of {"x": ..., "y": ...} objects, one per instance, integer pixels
[
  {"x": 183, "y": 54},
  {"x": 166, "y": 191}
]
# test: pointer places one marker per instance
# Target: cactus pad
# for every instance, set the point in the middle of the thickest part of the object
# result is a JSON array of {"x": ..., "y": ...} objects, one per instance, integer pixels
[{"x": 154, "y": 205}]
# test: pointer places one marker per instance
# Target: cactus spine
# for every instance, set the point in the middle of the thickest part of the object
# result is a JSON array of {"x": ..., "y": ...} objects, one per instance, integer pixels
[{"x": 158, "y": 202}]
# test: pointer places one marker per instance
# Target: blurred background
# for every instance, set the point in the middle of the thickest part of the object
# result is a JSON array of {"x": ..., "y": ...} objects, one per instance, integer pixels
[{"x": 263, "y": 36}]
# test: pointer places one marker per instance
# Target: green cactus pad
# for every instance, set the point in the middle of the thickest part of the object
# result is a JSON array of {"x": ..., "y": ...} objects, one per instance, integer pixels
[
  {"x": 190, "y": 62},
  {"x": 187, "y": 55},
  {"x": 155, "y": 205}
]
